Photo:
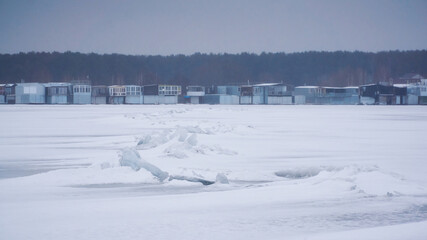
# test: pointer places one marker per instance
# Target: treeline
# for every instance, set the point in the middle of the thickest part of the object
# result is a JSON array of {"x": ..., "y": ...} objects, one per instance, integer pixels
[{"x": 308, "y": 68}]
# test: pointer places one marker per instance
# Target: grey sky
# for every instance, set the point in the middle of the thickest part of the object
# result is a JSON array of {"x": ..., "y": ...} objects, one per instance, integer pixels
[{"x": 217, "y": 26}]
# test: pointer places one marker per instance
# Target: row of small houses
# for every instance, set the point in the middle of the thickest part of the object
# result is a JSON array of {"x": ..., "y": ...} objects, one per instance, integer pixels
[
  {"x": 68, "y": 93},
  {"x": 267, "y": 93}
]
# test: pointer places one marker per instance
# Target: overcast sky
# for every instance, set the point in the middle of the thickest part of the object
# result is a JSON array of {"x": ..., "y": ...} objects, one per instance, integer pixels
[{"x": 217, "y": 26}]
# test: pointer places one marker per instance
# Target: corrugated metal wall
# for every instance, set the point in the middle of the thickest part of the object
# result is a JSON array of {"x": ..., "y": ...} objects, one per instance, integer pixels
[
  {"x": 154, "y": 99},
  {"x": 283, "y": 100},
  {"x": 99, "y": 100},
  {"x": 57, "y": 99},
  {"x": 245, "y": 99},
  {"x": 134, "y": 99},
  {"x": 299, "y": 99},
  {"x": 229, "y": 99},
  {"x": 82, "y": 98}
]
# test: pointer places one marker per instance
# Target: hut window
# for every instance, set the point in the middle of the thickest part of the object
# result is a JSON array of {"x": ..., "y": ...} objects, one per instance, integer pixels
[
  {"x": 84, "y": 89},
  {"x": 62, "y": 91},
  {"x": 132, "y": 91},
  {"x": 52, "y": 91},
  {"x": 30, "y": 90}
]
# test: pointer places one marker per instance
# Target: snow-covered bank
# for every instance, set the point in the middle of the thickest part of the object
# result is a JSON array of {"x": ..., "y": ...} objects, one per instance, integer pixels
[{"x": 115, "y": 172}]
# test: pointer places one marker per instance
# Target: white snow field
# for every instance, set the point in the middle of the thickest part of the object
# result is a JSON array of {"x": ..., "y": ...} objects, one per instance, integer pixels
[{"x": 213, "y": 172}]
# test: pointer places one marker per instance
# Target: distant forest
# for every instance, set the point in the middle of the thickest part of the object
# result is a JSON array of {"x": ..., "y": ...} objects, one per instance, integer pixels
[{"x": 307, "y": 68}]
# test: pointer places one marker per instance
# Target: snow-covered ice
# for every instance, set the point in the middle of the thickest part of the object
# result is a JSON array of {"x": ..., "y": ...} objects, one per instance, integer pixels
[{"x": 250, "y": 172}]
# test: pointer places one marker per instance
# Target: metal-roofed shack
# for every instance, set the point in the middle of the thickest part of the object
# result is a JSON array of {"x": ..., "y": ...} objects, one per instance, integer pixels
[
  {"x": 99, "y": 94},
  {"x": 2, "y": 94},
  {"x": 59, "y": 93},
  {"x": 133, "y": 94},
  {"x": 224, "y": 95},
  {"x": 82, "y": 93},
  {"x": 9, "y": 90},
  {"x": 30, "y": 93},
  {"x": 161, "y": 94},
  {"x": 339, "y": 96},
  {"x": 194, "y": 94},
  {"x": 307, "y": 94},
  {"x": 116, "y": 94},
  {"x": 377, "y": 94},
  {"x": 265, "y": 93}
]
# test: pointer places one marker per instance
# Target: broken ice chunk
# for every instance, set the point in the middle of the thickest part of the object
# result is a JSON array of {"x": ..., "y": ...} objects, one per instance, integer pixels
[
  {"x": 221, "y": 178},
  {"x": 131, "y": 158}
]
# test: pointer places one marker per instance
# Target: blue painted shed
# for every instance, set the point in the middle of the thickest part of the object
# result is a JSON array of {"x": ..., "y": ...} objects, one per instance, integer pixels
[
  {"x": 306, "y": 94},
  {"x": 228, "y": 90},
  {"x": 340, "y": 96},
  {"x": 265, "y": 93},
  {"x": 222, "y": 99},
  {"x": 59, "y": 93},
  {"x": 10, "y": 96},
  {"x": 161, "y": 94},
  {"x": 99, "y": 94},
  {"x": 30, "y": 93},
  {"x": 2, "y": 94},
  {"x": 82, "y": 93},
  {"x": 133, "y": 94}
]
